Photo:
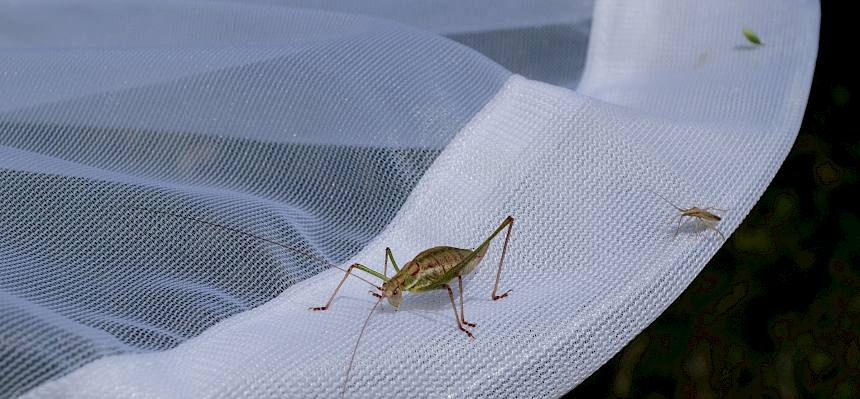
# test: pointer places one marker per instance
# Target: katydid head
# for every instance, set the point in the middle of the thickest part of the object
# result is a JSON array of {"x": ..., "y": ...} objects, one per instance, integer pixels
[{"x": 392, "y": 291}]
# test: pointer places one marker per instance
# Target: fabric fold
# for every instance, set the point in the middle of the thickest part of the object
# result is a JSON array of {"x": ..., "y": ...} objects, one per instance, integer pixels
[{"x": 672, "y": 103}]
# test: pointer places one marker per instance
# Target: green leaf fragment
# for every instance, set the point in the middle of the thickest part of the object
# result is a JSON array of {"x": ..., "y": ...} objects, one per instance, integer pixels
[{"x": 751, "y": 36}]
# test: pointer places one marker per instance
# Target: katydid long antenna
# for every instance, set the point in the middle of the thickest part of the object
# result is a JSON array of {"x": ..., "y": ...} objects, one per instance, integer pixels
[
  {"x": 290, "y": 248},
  {"x": 357, "y": 342}
]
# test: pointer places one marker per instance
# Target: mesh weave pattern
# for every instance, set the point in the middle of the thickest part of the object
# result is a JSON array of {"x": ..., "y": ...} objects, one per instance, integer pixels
[
  {"x": 259, "y": 130},
  {"x": 671, "y": 101}
]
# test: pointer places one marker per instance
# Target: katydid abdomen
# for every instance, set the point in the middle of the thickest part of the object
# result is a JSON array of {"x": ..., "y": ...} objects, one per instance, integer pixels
[{"x": 430, "y": 270}]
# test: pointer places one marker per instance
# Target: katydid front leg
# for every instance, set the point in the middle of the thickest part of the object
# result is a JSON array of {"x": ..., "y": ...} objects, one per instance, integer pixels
[
  {"x": 389, "y": 255},
  {"x": 349, "y": 273}
]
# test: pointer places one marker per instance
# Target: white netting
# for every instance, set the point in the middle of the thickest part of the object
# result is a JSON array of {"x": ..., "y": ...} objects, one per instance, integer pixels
[{"x": 339, "y": 133}]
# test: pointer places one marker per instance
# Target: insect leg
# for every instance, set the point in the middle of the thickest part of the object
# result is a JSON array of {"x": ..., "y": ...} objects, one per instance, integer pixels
[
  {"x": 389, "y": 255},
  {"x": 454, "y": 305},
  {"x": 453, "y": 272},
  {"x": 462, "y": 312},
  {"x": 510, "y": 222},
  {"x": 718, "y": 231},
  {"x": 710, "y": 226},
  {"x": 716, "y": 209},
  {"x": 714, "y": 228},
  {"x": 349, "y": 273},
  {"x": 680, "y": 222},
  {"x": 292, "y": 249}
]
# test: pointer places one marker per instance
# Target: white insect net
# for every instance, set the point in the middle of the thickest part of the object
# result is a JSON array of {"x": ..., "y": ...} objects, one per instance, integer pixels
[{"x": 339, "y": 129}]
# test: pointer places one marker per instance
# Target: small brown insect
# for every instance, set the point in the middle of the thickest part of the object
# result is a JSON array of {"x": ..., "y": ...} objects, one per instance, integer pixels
[{"x": 702, "y": 215}]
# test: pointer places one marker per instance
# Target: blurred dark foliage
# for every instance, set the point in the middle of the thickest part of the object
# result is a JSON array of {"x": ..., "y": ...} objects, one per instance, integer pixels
[{"x": 776, "y": 313}]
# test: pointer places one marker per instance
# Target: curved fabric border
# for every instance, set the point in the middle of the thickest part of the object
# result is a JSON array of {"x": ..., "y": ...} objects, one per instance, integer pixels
[{"x": 592, "y": 260}]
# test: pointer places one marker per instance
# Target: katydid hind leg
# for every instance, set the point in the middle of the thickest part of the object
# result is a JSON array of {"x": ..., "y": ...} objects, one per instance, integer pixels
[
  {"x": 456, "y": 316},
  {"x": 510, "y": 222},
  {"x": 462, "y": 311}
]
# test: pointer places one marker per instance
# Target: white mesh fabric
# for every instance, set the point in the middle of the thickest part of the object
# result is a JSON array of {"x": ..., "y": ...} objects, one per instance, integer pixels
[
  {"x": 302, "y": 126},
  {"x": 543, "y": 40},
  {"x": 672, "y": 100}
]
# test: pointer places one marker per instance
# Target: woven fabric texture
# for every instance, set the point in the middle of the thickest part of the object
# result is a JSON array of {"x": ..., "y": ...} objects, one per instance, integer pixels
[{"x": 342, "y": 134}]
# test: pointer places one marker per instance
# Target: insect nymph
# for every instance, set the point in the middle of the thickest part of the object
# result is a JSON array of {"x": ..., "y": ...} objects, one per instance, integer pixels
[
  {"x": 702, "y": 215},
  {"x": 433, "y": 269}
]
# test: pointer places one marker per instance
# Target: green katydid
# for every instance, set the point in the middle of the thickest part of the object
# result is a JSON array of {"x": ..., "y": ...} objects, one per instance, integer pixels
[{"x": 432, "y": 269}]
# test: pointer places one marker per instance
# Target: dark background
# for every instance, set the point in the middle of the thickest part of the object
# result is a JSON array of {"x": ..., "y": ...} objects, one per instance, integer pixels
[{"x": 776, "y": 313}]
